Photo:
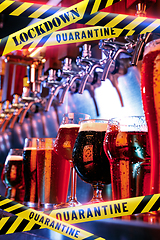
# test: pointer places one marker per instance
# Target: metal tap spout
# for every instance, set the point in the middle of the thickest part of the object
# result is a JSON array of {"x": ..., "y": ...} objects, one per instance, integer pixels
[
  {"x": 54, "y": 92},
  {"x": 16, "y": 114},
  {"x": 85, "y": 78},
  {"x": 8, "y": 117},
  {"x": 27, "y": 106},
  {"x": 66, "y": 88},
  {"x": 141, "y": 41},
  {"x": 112, "y": 50}
]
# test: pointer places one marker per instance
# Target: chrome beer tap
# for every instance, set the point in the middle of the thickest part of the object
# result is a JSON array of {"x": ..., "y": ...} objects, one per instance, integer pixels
[
  {"x": 142, "y": 38},
  {"x": 89, "y": 64},
  {"x": 56, "y": 86},
  {"x": 31, "y": 99},
  {"x": 72, "y": 74},
  {"x": 11, "y": 112},
  {"x": 112, "y": 50}
]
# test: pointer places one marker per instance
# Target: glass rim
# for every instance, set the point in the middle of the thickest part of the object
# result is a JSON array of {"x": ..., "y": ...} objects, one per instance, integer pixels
[
  {"x": 154, "y": 44},
  {"x": 95, "y": 119},
  {"x": 65, "y": 114}
]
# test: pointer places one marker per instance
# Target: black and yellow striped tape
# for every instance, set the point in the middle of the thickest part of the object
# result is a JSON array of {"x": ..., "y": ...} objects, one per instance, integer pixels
[
  {"x": 27, "y": 219},
  {"x": 44, "y": 33},
  {"x": 85, "y": 213},
  {"x": 109, "y": 209},
  {"x": 31, "y": 36},
  {"x": 32, "y": 10}
]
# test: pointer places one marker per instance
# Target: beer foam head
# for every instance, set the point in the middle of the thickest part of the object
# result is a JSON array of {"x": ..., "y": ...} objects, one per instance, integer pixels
[
  {"x": 69, "y": 125},
  {"x": 152, "y": 46},
  {"x": 93, "y": 126},
  {"x": 13, "y": 158},
  {"x": 29, "y": 148}
]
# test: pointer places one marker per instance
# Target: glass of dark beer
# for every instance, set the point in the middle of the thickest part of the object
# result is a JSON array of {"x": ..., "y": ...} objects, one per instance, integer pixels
[
  {"x": 126, "y": 144},
  {"x": 13, "y": 175},
  {"x": 30, "y": 172},
  {"x": 64, "y": 143},
  {"x": 89, "y": 158}
]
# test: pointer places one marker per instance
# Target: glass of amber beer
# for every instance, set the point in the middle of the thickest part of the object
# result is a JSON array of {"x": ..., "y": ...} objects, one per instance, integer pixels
[
  {"x": 64, "y": 143},
  {"x": 30, "y": 172},
  {"x": 13, "y": 175},
  {"x": 127, "y": 147},
  {"x": 89, "y": 158},
  {"x": 150, "y": 89},
  {"x": 53, "y": 173}
]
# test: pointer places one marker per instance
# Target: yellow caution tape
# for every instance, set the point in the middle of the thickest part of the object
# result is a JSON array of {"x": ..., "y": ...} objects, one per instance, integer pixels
[
  {"x": 29, "y": 219},
  {"x": 37, "y": 33},
  {"x": 43, "y": 33},
  {"x": 110, "y": 209},
  {"x": 85, "y": 213},
  {"x": 78, "y": 35},
  {"x": 32, "y": 10},
  {"x": 43, "y": 28}
]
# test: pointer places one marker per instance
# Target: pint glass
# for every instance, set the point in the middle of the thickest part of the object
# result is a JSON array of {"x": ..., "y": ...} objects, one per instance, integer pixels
[
  {"x": 53, "y": 174},
  {"x": 13, "y": 175},
  {"x": 30, "y": 172},
  {"x": 126, "y": 145},
  {"x": 150, "y": 89}
]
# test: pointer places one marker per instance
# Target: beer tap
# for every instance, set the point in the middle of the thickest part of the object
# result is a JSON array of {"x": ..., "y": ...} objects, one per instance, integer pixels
[
  {"x": 90, "y": 65},
  {"x": 11, "y": 111},
  {"x": 112, "y": 50},
  {"x": 72, "y": 75},
  {"x": 142, "y": 38},
  {"x": 2, "y": 114},
  {"x": 55, "y": 85},
  {"x": 32, "y": 100}
]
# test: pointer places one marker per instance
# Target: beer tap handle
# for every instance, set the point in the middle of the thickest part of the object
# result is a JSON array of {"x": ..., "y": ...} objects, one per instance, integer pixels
[
  {"x": 66, "y": 88},
  {"x": 24, "y": 112},
  {"x": 141, "y": 41},
  {"x": 52, "y": 95},
  {"x": 109, "y": 63},
  {"x": 85, "y": 78},
  {"x": 15, "y": 117}
]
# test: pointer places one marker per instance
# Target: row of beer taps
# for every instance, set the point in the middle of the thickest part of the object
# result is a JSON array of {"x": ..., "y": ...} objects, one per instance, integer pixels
[{"x": 86, "y": 73}]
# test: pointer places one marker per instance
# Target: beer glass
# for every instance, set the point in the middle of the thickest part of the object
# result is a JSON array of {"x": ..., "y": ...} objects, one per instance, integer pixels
[
  {"x": 13, "y": 175},
  {"x": 150, "y": 88},
  {"x": 89, "y": 158},
  {"x": 30, "y": 172},
  {"x": 64, "y": 143},
  {"x": 126, "y": 145},
  {"x": 53, "y": 173}
]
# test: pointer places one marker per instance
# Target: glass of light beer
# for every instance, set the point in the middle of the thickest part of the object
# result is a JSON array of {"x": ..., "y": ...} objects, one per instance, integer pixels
[
  {"x": 89, "y": 158},
  {"x": 150, "y": 89},
  {"x": 127, "y": 147},
  {"x": 64, "y": 143},
  {"x": 53, "y": 174},
  {"x": 30, "y": 172},
  {"x": 13, "y": 175}
]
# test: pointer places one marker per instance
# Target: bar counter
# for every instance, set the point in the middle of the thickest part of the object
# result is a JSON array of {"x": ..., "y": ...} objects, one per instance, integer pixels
[{"x": 109, "y": 229}]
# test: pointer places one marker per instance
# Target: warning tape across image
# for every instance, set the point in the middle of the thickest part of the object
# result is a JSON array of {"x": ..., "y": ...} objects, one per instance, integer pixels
[
  {"x": 46, "y": 31},
  {"x": 61, "y": 220}
]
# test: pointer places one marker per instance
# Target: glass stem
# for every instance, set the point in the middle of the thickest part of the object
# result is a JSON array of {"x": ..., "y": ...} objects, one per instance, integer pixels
[
  {"x": 73, "y": 184},
  {"x": 97, "y": 192}
]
